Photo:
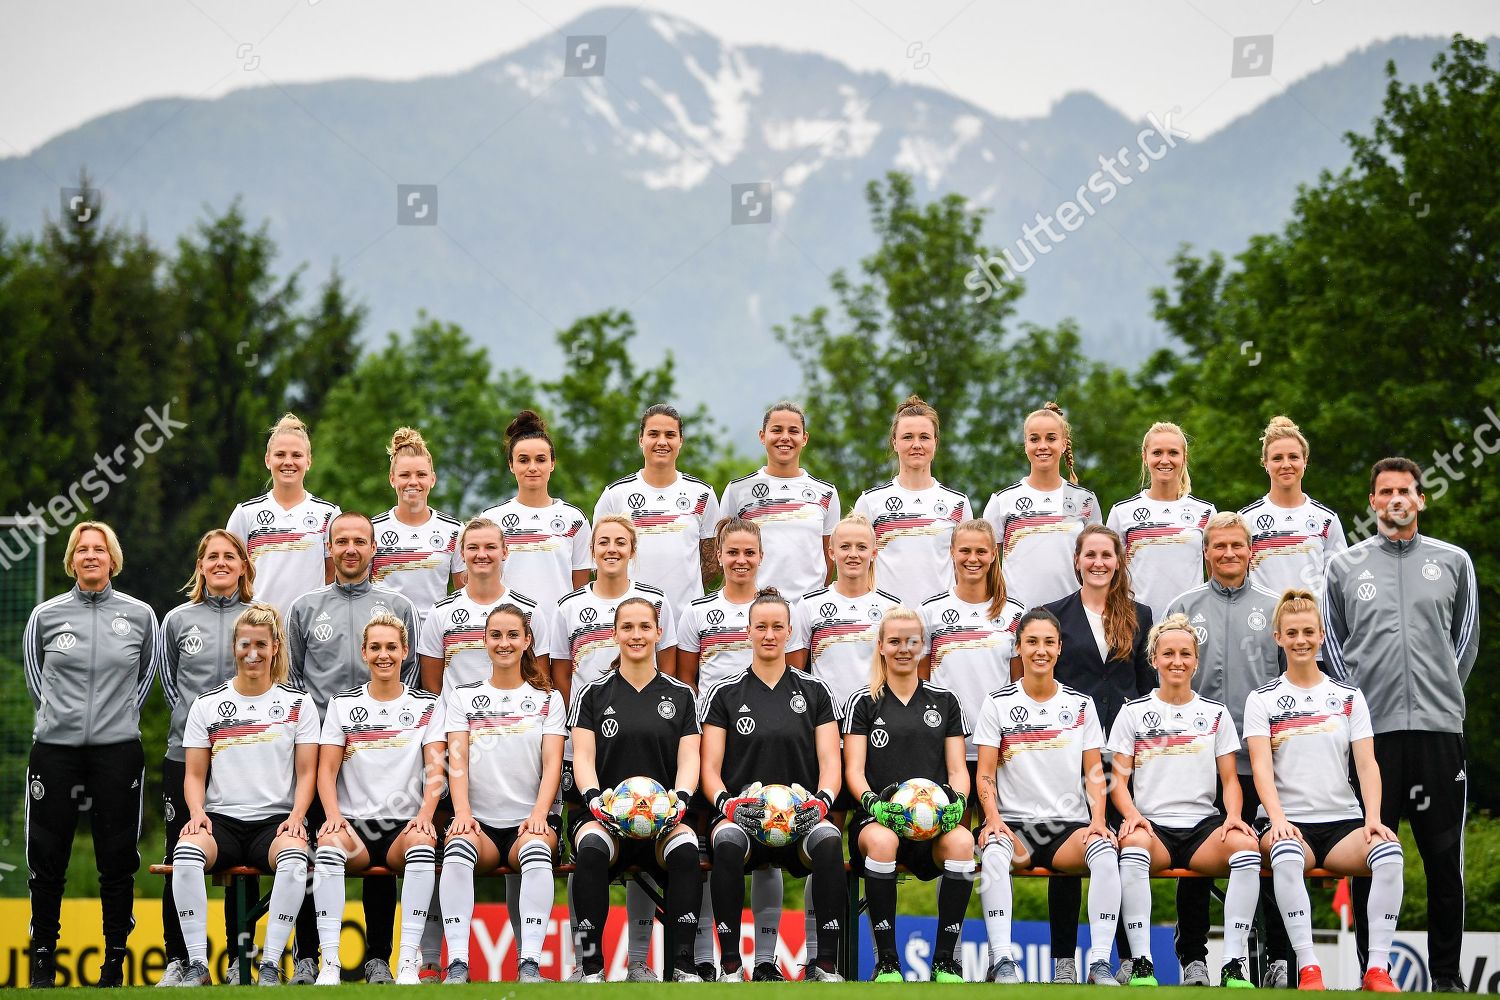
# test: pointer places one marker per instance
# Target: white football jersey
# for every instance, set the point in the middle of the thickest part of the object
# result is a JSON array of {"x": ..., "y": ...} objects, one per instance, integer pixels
[
  {"x": 454, "y": 633},
  {"x": 505, "y": 730},
  {"x": 718, "y": 631},
  {"x": 1289, "y": 546},
  {"x": 1036, "y": 530},
  {"x": 287, "y": 547},
  {"x": 970, "y": 652},
  {"x": 795, "y": 516},
  {"x": 417, "y": 561},
  {"x": 544, "y": 545},
  {"x": 1163, "y": 542},
  {"x": 1176, "y": 749},
  {"x": 251, "y": 745},
  {"x": 382, "y": 773},
  {"x": 1041, "y": 752},
  {"x": 1310, "y": 731},
  {"x": 585, "y": 631},
  {"x": 913, "y": 537},
  {"x": 669, "y": 524},
  {"x": 839, "y": 634}
]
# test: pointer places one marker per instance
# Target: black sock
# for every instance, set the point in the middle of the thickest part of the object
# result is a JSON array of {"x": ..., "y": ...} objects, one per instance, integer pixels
[
  {"x": 684, "y": 890},
  {"x": 954, "y": 890},
  {"x": 827, "y": 858},
  {"x": 880, "y": 894},
  {"x": 591, "y": 900},
  {"x": 380, "y": 917},
  {"x": 726, "y": 885}
]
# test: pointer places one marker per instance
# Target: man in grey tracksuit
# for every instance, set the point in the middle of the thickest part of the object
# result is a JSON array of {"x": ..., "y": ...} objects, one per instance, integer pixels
[
  {"x": 1237, "y": 653},
  {"x": 325, "y": 630},
  {"x": 1402, "y": 617}
]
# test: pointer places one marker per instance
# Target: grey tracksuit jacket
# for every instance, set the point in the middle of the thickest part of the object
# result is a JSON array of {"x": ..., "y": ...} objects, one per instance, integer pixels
[
  {"x": 1403, "y": 624},
  {"x": 325, "y": 628},
  {"x": 89, "y": 658},
  {"x": 196, "y": 654},
  {"x": 1237, "y": 650}
]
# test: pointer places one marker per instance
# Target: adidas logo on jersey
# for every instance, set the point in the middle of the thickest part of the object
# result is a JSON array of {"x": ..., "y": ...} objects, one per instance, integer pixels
[
  {"x": 1199, "y": 619},
  {"x": 879, "y": 721},
  {"x": 324, "y": 617},
  {"x": 67, "y": 626},
  {"x": 610, "y": 710},
  {"x": 192, "y": 631},
  {"x": 1366, "y": 575},
  {"x": 744, "y": 708}
]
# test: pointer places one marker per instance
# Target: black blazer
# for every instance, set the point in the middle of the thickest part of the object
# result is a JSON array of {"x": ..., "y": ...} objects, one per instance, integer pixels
[{"x": 1079, "y": 666}]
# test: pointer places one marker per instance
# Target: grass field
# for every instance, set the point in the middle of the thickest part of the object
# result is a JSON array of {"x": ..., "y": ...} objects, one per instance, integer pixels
[{"x": 707, "y": 991}]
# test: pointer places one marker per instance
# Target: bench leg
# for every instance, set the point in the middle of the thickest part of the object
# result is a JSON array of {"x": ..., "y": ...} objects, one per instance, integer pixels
[
  {"x": 239, "y": 888},
  {"x": 849, "y": 950}
]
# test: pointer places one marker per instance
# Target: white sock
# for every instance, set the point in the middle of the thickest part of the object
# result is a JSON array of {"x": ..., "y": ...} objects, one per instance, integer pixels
[
  {"x": 765, "y": 903},
  {"x": 288, "y": 889},
  {"x": 536, "y": 897},
  {"x": 329, "y": 864},
  {"x": 191, "y": 896},
  {"x": 456, "y": 886},
  {"x": 703, "y": 947},
  {"x": 1287, "y": 863},
  {"x": 995, "y": 895},
  {"x": 1240, "y": 899},
  {"x": 809, "y": 921},
  {"x": 432, "y": 930},
  {"x": 1104, "y": 898},
  {"x": 417, "y": 883},
  {"x": 1386, "y": 867},
  {"x": 640, "y": 914},
  {"x": 1135, "y": 899}
]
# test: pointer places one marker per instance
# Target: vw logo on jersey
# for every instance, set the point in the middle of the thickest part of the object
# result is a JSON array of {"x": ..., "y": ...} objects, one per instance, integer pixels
[
  {"x": 1257, "y": 620},
  {"x": 1023, "y": 504},
  {"x": 1431, "y": 571},
  {"x": 528, "y": 705},
  {"x": 933, "y": 718},
  {"x": 940, "y": 509},
  {"x": 715, "y": 617},
  {"x": 226, "y": 709},
  {"x": 950, "y": 617},
  {"x": 120, "y": 626},
  {"x": 1151, "y": 720},
  {"x": 358, "y": 714},
  {"x": 389, "y": 538},
  {"x": 809, "y": 494},
  {"x": 828, "y": 610},
  {"x": 482, "y": 701},
  {"x": 893, "y": 504},
  {"x": 588, "y": 616},
  {"x": 1286, "y": 703},
  {"x": 879, "y": 738},
  {"x": 191, "y": 645},
  {"x": 558, "y": 526},
  {"x": 265, "y": 518},
  {"x": 1366, "y": 592},
  {"x": 1141, "y": 513},
  {"x": 609, "y": 728},
  {"x": 407, "y": 719},
  {"x": 323, "y": 632},
  {"x": 1019, "y": 714},
  {"x": 510, "y": 520},
  {"x": 684, "y": 502},
  {"x": 1201, "y": 633},
  {"x": 1265, "y": 522},
  {"x": 277, "y": 712},
  {"x": 1065, "y": 718},
  {"x": 1200, "y": 724},
  {"x": 460, "y": 615},
  {"x": 636, "y": 501},
  {"x": 744, "y": 725},
  {"x": 799, "y": 704},
  {"x": 760, "y": 491},
  {"x": 666, "y": 709},
  {"x": 67, "y": 640},
  {"x": 1408, "y": 970},
  {"x": 311, "y": 522},
  {"x": 1333, "y": 703}
]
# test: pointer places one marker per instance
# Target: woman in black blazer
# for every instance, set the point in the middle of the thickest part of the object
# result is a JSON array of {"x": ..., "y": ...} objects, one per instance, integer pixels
[{"x": 1104, "y": 630}]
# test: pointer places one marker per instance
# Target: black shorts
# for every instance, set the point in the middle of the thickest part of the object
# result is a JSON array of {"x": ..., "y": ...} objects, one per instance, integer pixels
[
  {"x": 629, "y": 852},
  {"x": 913, "y": 855},
  {"x": 504, "y": 838},
  {"x": 1324, "y": 837},
  {"x": 243, "y": 842},
  {"x": 1182, "y": 842},
  {"x": 844, "y": 802},
  {"x": 1043, "y": 839},
  {"x": 377, "y": 836}
]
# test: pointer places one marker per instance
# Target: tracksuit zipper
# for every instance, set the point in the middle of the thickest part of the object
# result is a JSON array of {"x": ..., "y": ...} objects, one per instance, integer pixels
[
  {"x": 88, "y": 710},
  {"x": 1401, "y": 625}
]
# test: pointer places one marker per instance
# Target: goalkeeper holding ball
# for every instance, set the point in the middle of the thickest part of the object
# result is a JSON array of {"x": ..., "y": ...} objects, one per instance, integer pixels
[
  {"x": 635, "y": 723},
  {"x": 898, "y": 729}
]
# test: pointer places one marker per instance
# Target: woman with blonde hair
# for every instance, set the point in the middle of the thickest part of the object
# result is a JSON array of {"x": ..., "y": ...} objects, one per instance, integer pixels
[
  {"x": 1292, "y": 535},
  {"x": 914, "y": 515},
  {"x": 416, "y": 547},
  {"x": 252, "y": 755},
  {"x": 89, "y": 657},
  {"x": 898, "y": 728},
  {"x": 285, "y": 531},
  {"x": 1162, "y": 526}
]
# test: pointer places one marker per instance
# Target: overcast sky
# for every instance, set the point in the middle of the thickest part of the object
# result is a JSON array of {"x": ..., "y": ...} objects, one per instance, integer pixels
[{"x": 63, "y": 62}]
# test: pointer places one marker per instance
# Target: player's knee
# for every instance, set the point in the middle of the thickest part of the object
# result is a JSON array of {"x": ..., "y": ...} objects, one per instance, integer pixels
[
  {"x": 955, "y": 844},
  {"x": 879, "y": 843}
]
